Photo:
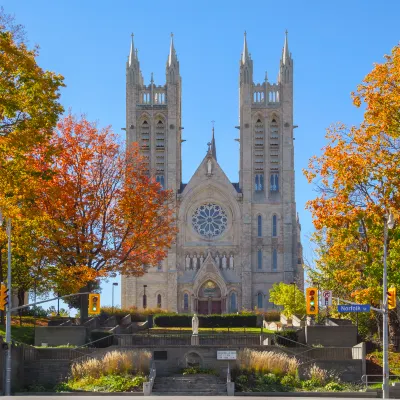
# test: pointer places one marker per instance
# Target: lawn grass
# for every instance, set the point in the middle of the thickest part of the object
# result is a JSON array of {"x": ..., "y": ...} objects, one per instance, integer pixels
[
  {"x": 22, "y": 334},
  {"x": 210, "y": 330}
]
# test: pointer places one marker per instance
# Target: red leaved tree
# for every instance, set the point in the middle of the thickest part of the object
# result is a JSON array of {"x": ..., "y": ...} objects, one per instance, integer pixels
[{"x": 104, "y": 214}]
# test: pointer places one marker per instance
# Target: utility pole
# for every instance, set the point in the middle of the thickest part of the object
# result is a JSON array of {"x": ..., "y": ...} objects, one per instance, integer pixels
[
  {"x": 388, "y": 224},
  {"x": 8, "y": 315}
]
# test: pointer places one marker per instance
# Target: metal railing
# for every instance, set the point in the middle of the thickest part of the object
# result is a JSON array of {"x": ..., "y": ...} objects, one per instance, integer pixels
[
  {"x": 377, "y": 379},
  {"x": 185, "y": 339}
]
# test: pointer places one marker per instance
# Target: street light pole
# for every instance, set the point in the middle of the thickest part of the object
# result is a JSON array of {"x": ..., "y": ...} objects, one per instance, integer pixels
[
  {"x": 388, "y": 224},
  {"x": 114, "y": 284},
  {"x": 8, "y": 314}
]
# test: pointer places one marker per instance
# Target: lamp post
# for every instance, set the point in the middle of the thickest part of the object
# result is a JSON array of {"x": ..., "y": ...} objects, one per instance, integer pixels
[
  {"x": 388, "y": 224},
  {"x": 112, "y": 296},
  {"x": 144, "y": 297},
  {"x": 294, "y": 294},
  {"x": 7, "y": 386}
]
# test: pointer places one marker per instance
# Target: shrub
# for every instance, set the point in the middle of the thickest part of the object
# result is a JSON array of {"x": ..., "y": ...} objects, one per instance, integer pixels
[
  {"x": 107, "y": 383},
  {"x": 290, "y": 381},
  {"x": 286, "y": 338},
  {"x": 136, "y": 315},
  {"x": 206, "y": 321},
  {"x": 101, "y": 339},
  {"x": 334, "y": 387},
  {"x": 113, "y": 363},
  {"x": 309, "y": 384},
  {"x": 270, "y": 316},
  {"x": 318, "y": 375},
  {"x": 267, "y": 362}
]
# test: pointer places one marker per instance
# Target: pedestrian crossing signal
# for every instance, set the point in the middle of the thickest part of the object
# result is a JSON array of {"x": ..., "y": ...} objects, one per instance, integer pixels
[
  {"x": 312, "y": 301},
  {"x": 94, "y": 304},
  {"x": 3, "y": 296},
  {"x": 391, "y": 298}
]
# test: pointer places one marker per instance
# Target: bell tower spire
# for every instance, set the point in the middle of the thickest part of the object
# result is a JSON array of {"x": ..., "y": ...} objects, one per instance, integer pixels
[
  {"x": 245, "y": 53},
  {"x": 172, "y": 70},
  {"x": 132, "y": 52},
  {"x": 286, "y": 67},
  {"x": 213, "y": 146}
]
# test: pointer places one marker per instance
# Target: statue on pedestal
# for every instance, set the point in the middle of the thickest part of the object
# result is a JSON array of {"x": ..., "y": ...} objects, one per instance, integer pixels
[
  {"x": 201, "y": 259},
  {"x": 187, "y": 262},
  {"x": 195, "y": 325},
  {"x": 231, "y": 264}
]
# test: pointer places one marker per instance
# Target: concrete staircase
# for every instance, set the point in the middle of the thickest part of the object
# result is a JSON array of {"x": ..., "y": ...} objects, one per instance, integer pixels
[{"x": 189, "y": 385}]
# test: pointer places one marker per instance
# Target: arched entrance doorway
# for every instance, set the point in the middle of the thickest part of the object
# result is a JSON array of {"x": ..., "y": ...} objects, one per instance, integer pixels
[{"x": 209, "y": 298}]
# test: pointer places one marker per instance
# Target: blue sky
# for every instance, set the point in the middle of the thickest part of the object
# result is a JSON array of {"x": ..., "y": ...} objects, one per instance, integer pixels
[{"x": 333, "y": 43}]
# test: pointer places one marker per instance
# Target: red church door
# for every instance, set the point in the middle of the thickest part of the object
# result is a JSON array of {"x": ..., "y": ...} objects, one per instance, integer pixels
[{"x": 216, "y": 307}]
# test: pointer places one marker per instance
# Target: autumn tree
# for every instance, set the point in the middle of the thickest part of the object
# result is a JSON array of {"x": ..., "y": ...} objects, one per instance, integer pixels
[
  {"x": 289, "y": 297},
  {"x": 105, "y": 215},
  {"x": 29, "y": 110},
  {"x": 358, "y": 179}
]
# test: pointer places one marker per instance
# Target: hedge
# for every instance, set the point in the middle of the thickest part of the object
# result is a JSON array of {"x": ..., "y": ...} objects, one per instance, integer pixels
[{"x": 206, "y": 321}]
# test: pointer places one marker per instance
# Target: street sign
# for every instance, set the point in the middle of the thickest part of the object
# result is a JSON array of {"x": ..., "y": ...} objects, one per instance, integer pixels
[
  {"x": 226, "y": 354},
  {"x": 327, "y": 297},
  {"x": 354, "y": 308}
]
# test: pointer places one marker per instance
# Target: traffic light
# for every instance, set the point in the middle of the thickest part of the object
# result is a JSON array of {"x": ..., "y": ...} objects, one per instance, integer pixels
[
  {"x": 312, "y": 301},
  {"x": 94, "y": 304},
  {"x": 391, "y": 298},
  {"x": 3, "y": 296}
]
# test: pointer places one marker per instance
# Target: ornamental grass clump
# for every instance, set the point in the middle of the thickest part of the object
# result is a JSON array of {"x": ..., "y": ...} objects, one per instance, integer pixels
[
  {"x": 267, "y": 362},
  {"x": 135, "y": 362}
]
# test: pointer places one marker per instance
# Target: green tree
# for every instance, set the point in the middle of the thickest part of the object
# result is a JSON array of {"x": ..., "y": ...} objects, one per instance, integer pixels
[{"x": 290, "y": 297}]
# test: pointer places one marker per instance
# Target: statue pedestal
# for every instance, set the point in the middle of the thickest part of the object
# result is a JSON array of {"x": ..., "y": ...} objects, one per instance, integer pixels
[{"x": 195, "y": 340}]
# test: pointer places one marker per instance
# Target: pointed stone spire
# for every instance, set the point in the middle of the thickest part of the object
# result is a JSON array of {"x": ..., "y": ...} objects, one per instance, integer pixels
[
  {"x": 172, "y": 53},
  {"x": 245, "y": 53},
  {"x": 286, "y": 54},
  {"x": 132, "y": 53},
  {"x": 213, "y": 146}
]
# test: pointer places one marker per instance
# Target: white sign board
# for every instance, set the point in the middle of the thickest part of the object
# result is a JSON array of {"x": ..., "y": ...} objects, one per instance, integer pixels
[
  {"x": 226, "y": 354},
  {"x": 327, "y": 297}
]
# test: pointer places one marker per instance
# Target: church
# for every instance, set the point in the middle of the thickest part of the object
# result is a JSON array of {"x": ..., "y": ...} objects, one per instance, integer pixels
[{"x": 235, "y": 239}]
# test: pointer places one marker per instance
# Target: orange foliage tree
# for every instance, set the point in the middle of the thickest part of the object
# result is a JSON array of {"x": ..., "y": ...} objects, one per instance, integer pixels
[
  {"x": 358, "y": 179},
  {"x": 29, "y": 110},
  {"x": 104, "y": 214}
]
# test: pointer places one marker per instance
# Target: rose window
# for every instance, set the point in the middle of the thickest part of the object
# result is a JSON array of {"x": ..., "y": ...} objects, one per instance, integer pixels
[{"x": 209, "y": 220}]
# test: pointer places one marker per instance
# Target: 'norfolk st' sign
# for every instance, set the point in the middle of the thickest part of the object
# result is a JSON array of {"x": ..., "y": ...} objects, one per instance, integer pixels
[{"x": 354, "y": 308}]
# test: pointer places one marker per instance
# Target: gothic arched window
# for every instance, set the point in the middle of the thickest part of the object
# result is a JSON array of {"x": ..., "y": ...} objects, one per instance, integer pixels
[
  {"x": 259, "y": 226},
  {"x": 259, "y": 259},
  {"x": 260, "y": 300},
  {"x": 274, "y": 226},
  {"x": 186, "y": 302},
  {"x": 159, "y": 301},
  {"x": 259, "y": 182},
  {"x": 274, "y": 260},
  {"x": 233, "y": 302},
  {"x": 274, "y": 182}
]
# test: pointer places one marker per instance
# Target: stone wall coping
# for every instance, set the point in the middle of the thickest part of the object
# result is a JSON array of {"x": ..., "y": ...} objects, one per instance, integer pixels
[
  {"x": 78, "y": 394},
  {"x": 310, "y": 394}
]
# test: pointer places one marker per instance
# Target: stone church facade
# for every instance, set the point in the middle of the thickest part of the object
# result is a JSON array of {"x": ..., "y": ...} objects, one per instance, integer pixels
[{"x": 236, "y": 239}]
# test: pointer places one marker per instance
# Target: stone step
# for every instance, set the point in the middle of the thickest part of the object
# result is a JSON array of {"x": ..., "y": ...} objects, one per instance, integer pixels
[
  {"x": 187, "y": 394},
  {"x": 194, "y": 387}
]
